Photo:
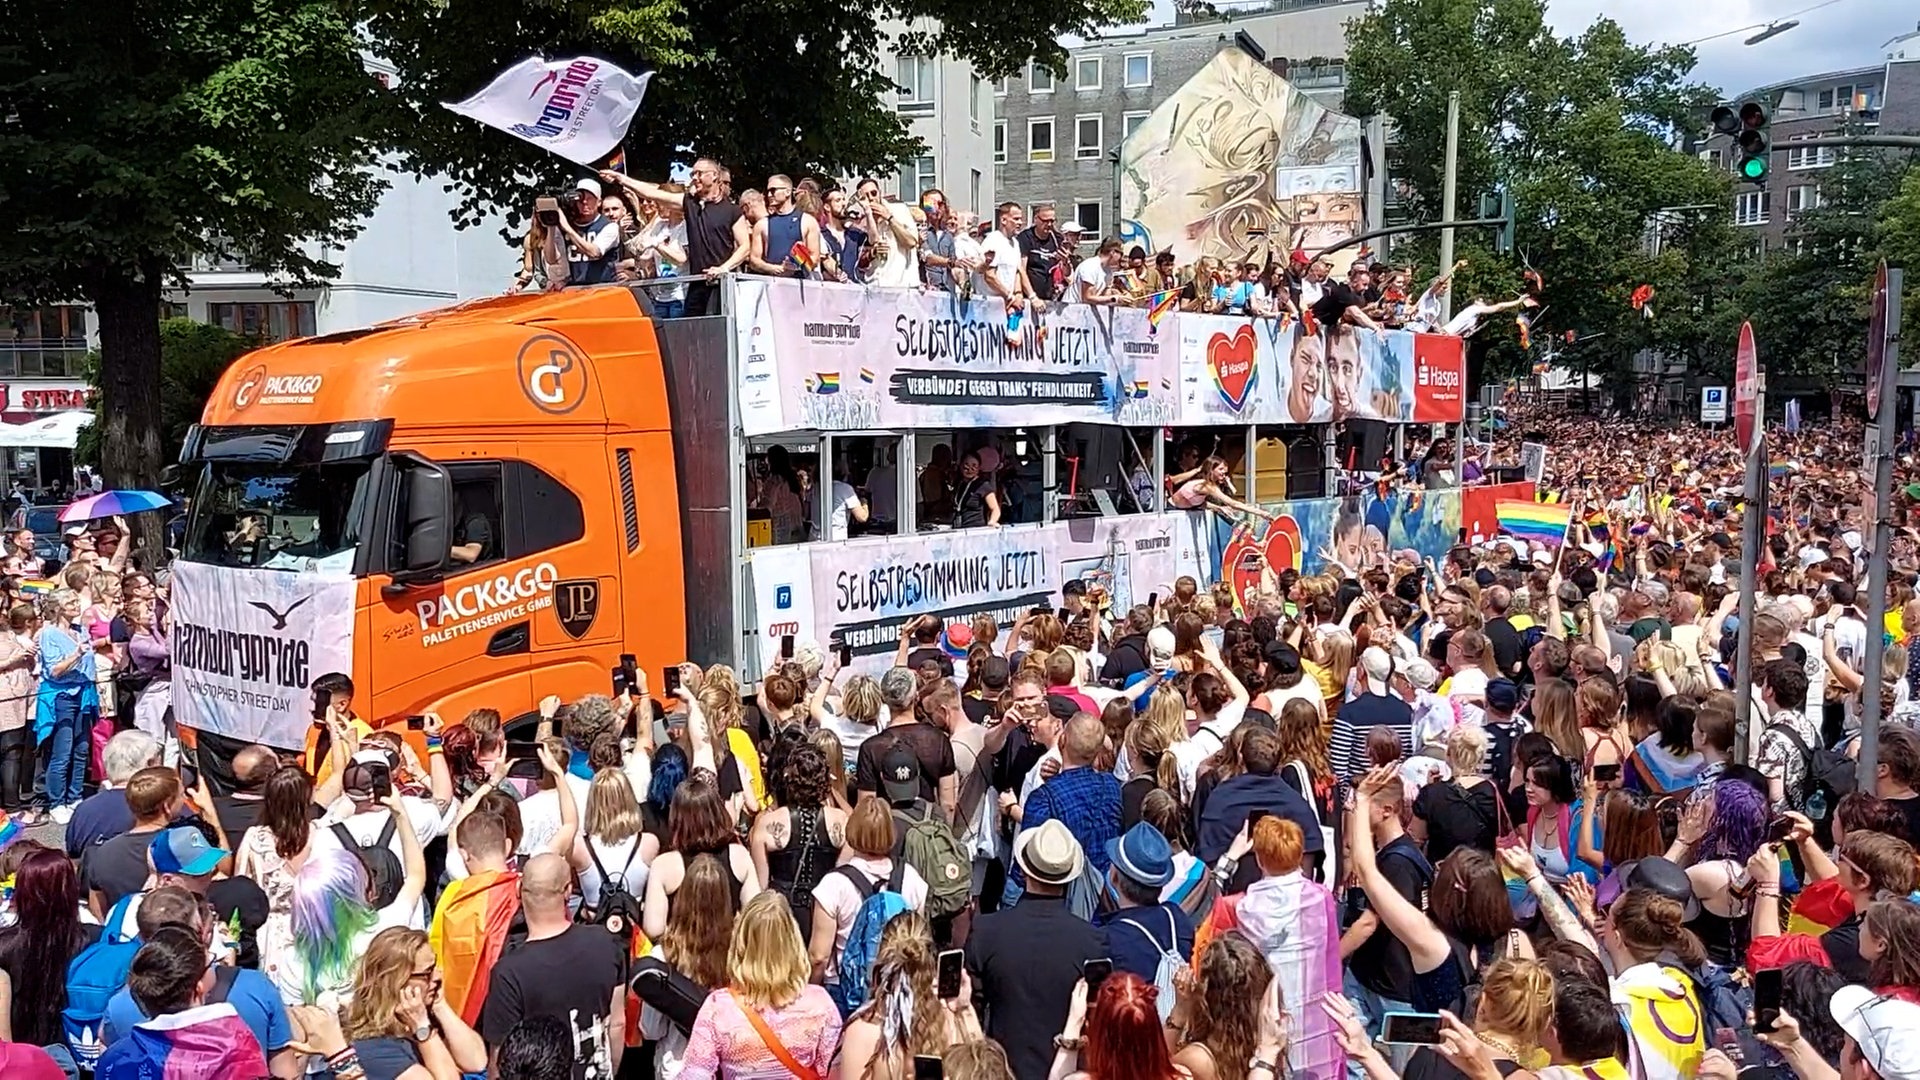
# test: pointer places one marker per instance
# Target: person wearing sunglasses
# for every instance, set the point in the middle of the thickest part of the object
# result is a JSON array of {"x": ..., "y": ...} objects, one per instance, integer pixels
[{"x": 399, "y": 1022}]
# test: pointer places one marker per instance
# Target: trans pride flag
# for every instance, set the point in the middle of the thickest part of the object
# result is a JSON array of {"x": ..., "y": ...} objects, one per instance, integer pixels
[{"x": 206, "y": 1041}]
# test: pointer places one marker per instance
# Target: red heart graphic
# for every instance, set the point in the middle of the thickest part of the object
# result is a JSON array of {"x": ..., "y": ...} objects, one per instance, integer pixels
[
  {"x": 1241, "y": 566},
  {"x": 1282, "y": 544},
  {"x": 1231, "y": 362}
]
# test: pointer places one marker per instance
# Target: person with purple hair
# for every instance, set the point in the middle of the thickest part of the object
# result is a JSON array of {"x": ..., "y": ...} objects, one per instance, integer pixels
[
  {"x": 1717, "y": 836},
  {"x": 332, "y": 919}
]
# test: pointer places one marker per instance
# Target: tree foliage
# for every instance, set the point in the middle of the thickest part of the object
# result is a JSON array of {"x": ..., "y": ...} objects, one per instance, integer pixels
[
  {"x": 136, "y": 135},
  {"x": 761, "y": 85},
  {"x": 1582, "y": 131},
  {"x": 193, "y": 356}
]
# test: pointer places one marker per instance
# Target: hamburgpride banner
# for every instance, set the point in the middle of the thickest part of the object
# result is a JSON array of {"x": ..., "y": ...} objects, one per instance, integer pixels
[
  {"x": 579, "y": 109},
  {"x": 833, "y": 357}
]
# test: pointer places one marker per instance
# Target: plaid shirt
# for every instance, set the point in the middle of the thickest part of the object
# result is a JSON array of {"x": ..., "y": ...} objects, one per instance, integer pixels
[{"x": 1087, "y": 802}]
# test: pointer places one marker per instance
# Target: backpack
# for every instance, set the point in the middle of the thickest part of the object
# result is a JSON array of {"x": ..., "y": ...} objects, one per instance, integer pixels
[
  {"x": 879, "y": 902},
  {"x": 1170, "y": 963},
  {"x": 384, "y": 871},
  {"x": 93, "y": 977},
  {"x": 618, "y": 910},
  {"x": 1830, "y": 774},
  {"x": 928, "y": 845}
]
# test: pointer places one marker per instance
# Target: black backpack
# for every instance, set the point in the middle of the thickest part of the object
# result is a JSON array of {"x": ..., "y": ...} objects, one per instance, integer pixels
[
  {"x": 1829, "y": 772},
  {"x": 618, "y": 909},
  {"x": 383, "y": 866}
]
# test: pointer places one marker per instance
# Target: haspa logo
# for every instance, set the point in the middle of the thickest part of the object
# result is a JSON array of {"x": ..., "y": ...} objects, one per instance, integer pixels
[
  {"x": 557, "y": 112},
  {"x": 258, "y": 388}
]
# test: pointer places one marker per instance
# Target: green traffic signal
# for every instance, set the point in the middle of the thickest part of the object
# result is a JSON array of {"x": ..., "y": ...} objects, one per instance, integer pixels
[{"x": 1754, "y": 168}]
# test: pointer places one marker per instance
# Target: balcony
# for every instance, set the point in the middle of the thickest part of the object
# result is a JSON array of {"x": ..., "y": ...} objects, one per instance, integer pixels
[{"x": 58, "y": 358}]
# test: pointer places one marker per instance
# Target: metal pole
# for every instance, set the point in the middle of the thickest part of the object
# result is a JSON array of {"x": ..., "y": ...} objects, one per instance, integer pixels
[
  {"x": 1871, "y": 707},
  {"x": 1752, "y": 538},
  {"x": 1449, "y": 198}
]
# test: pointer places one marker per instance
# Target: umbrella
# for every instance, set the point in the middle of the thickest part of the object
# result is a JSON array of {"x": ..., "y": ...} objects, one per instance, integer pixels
[{"x": 112, "y": 503}]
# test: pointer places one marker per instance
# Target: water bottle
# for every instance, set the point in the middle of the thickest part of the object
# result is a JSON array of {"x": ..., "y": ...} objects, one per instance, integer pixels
[
  {"x": 1013, "y": 320},
  {"x": 1816, "y": 806}
]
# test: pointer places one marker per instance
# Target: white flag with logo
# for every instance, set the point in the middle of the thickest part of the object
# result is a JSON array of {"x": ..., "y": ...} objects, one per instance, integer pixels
[{"x": 578, "y": 108}]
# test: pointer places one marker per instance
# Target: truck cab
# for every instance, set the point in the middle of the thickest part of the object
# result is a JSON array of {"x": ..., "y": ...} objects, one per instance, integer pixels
[{"x": 470, "y": 508}]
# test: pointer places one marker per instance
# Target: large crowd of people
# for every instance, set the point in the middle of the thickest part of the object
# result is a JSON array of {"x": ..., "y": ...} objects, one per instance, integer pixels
[{"x": 1486, "y": 816}]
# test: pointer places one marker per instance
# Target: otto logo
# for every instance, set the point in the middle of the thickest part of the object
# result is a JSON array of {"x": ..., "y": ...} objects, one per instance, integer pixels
[
  {"x": 257, "y": 387},
  {"x": 552, "y": 375},
  {"x": 472, "y": 601},
  {"x": 782, "y": 628},
  {"x": 783, "y": 597}
]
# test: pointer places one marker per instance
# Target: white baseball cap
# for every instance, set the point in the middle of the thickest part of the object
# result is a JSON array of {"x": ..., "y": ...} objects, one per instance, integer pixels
[
  {"x": 1072, "y": 226},
  {"x": 589, "y": 185},
  {"x": 1886, "y": 1029}
]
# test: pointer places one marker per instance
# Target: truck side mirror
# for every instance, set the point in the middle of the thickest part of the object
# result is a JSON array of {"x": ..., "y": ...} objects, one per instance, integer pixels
[{"x": 426, "y": 497}]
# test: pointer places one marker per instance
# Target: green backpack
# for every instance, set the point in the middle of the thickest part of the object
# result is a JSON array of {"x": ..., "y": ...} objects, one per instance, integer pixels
[{"x": 929, "y": 846}]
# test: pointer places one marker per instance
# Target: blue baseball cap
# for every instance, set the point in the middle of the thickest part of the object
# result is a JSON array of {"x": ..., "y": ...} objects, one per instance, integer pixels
[
  {"x": 1142, "y": 855},
  {"x": 182, "y": 850}
]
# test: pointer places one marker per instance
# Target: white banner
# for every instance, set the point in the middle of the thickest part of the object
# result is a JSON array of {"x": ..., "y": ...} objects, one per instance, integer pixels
[
  {"x": 1533, "y": 459},
  {"x": 248, "y": 642},
  {"x": 862, "y": 592},
  {"x": 1713, "y": 404},
  {"x": 579, "y": 109}
]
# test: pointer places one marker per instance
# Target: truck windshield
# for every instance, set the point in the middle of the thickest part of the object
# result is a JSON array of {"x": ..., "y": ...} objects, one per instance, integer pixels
[{"x": 291, "y": 517}]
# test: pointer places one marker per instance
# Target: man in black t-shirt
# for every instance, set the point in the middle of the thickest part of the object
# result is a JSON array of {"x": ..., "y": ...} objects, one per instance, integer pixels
[
  {"x": 1046, "y": 252},
  {"x": 932, "y": 752},
  {"x": 713, "y": 248},
  {"x": 574, "y": 971},
  {"x": 1509, "y": 650}
]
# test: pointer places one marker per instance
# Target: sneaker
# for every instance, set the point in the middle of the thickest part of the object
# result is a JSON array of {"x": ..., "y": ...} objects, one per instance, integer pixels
[{"x": 62, "y": 815}]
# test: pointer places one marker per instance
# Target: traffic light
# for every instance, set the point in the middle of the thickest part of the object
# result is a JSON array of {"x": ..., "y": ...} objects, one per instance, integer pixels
[
  {"x": 1499, "y": 204},
  {"x": 1748, "y": 129}
]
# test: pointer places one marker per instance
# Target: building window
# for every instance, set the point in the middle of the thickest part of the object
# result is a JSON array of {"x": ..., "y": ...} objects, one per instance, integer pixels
[
  {"x": 1002, "y": 85},
  {"x": 914, "y": 77},
  {"x": 973, "y": 100},
  {"x": 1320, "y": 76},
  {"x": 1040, "y": 138},
  {"x": 999, "y": 142},
  {"x": 1802, "y": 197},
  {"x": 1139, "y": 70},
  {"x": 1086, "y": 137},
  {"x": 269, "y": 322},
  {"x": 1130, "y": 123},
  {"x": 915, "y": 177},
  {"x": 1088, "y": 215},
  {"x": 1711, "y": 156},
  {"x": 1811, "y": 157},
  {"x": 1750, "y": 208},
  {"x": 1838, "y": 99},
  {"x": 1086, "y": 73},
  {"x": 49, "y": 340},
  {"x": 1039, "y": 79},
  {"x": 973, "y": 190},
  {"x": 171, "y": 310},
  {"x": 1756, "y": 247}
]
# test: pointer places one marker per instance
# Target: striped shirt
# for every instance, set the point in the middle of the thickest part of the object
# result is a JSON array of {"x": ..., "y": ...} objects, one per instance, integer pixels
[{"x": 1348, "y": 750}]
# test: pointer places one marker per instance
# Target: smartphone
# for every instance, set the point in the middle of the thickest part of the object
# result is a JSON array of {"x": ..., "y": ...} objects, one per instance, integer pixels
[
  {"x": 547, "y": 209},
  {"x": 1766, "y": 998},
  {"x": 416, "y": 723},
  {"x": 382, "y": 779},
  {"x": 523, "y": 760},
  {"x": 1153, "y": 601},
  {"x": 1779, "y": 829},
  {"x": 846, "y": 654},
  {"x": 1062, "y": 615},
  {"x": 1418, "y": 1029},
  {"x": 949, "y": 974},
  {"x": 631, "y": 665},
  {"x": 321, "y": 699},
  {"x": 1095, "y": 972},
  {"x": 1254, "y": 816},
  {"x": 1606, "y": 774},
  {"x": 786, "y": 646},
  {"x": 621, "y": 684},
  {"x": 670, "y": 681},
  {"x": 928, "y": 1067}
]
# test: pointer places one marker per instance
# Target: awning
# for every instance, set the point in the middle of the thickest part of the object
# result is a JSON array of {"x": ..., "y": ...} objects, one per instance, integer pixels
[{"x": 57, "y": 432}]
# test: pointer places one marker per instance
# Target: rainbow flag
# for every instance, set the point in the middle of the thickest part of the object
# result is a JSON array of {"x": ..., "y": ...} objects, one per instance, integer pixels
[
  {"x": 9, "y": 832},
  {"x": 618, "y": 162},
  {"x": 206, "y": 1040},
  {"x": 1139, "y": 389},
  {"x": 36, "y": 586},
  {"x": 1159, "y": 306},
  {"x": 469, "y": 933},
  {"x": 826, "y": 382},
  {"x": 866, "y": 375},
  {"x": 802, "y": 255},
  {"x": 1603, "y": 532},
  {"x": 1779, "y": 470},
  {"x": 1531, "y": 521}
]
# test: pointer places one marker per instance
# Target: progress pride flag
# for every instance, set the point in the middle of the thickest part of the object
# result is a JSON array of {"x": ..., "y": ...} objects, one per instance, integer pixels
[{"x": 1439, "y": 379}]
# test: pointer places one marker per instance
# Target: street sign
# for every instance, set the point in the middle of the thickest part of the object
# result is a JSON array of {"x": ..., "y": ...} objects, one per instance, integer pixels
[
  {"x": 1746, "y": 393},
  {"x": 1713, "y": 404},
  {"x": 1877, "y": 342}
]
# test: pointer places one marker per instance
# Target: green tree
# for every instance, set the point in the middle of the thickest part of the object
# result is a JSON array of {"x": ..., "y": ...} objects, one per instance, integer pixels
[
  {"x": 764, "y": 86},
  {"x": 1582, "y": 131},
  {"x": 139, "y": 135},
  {"x": 193, "y": 356}
]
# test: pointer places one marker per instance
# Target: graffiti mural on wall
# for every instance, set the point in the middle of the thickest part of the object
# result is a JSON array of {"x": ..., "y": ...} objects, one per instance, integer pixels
[{"x": 1237, "y": 165}]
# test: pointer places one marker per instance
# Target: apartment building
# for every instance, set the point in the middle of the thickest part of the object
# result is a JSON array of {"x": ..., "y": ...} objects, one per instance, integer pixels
[
  {"x": 1057, "y": 140},
  {"x": 949, "y": 108},
  {"x": 1883, "y": 98}
]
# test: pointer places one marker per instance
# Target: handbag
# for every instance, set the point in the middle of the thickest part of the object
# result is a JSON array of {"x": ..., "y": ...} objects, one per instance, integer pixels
[{"x": 778, "y": 1049}]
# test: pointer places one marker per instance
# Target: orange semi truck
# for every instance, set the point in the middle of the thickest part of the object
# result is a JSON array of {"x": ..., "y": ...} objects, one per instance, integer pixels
[{"x": 472, "y": 507}]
